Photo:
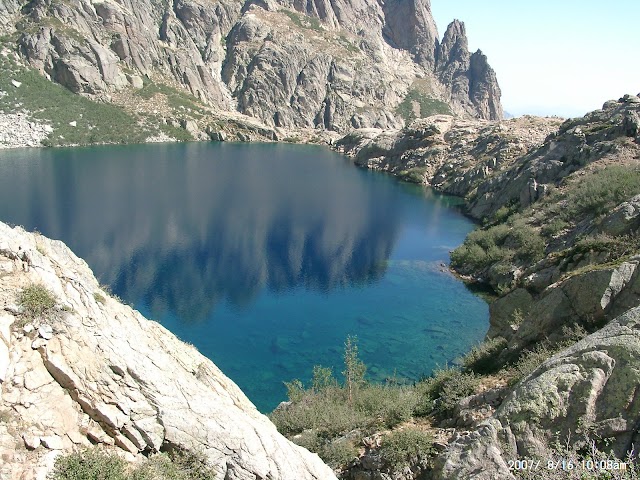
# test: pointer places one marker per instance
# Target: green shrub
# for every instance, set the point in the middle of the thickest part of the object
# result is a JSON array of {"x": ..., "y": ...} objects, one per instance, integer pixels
[
  {"x": 329, "y": 413},
  {"x": 555, "y": 226},
  {"x": 50, "y": 102},
  {"x": 602, "y": 190},
  {"x": 89, "y": 464},
  {"x": 457, "y": 388},
  {"x": 503, "y": 213},
  {"x": 188, "y": 465},
  {"x": 387, "y": 405},
  {"x": 444, "y": 389},
  {"x": 425, "y": 104},
  {"x": 483, "y": 358},
  {"x": 579, "y": 460},
  {"x": 331, "y": 409},
  {"x": 354, "y": 368},
  {"x": 615, "y": 247},
  {"x": 407, "y": 447},
  {"x": 338, "y": 453},
  {"x": 529, "y": 244},
  {"x": 499, "y": 244},
  {"x": 295, "y": 390},
  {"x": 97, "y": 464},
  {"x": 37, "y": 300},
  {"x": 531, "y": 359},
  {"x": 322, "y": 378},
  {"x": 482, "y": 248}
]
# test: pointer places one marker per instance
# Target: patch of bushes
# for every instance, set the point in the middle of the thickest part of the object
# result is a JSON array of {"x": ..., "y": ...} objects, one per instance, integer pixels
[
  {"x": 499, "y": 244},
  {"x": 503, "y": 214},
  {"x": 440, "y": 393},
  {"x": 531, "y": 359},
  {"x": 584, "y": 459},
  {"x": 320, "y": 415},
  {"x": 482, "y": 248},
  {"x": 97, "y": 464},
  {"x": 427, "y": 106},
  {"x": 601, "y": 191},
  {"x": 483, "y": 358},
  {"x": 554, "y": 226},
  {"x": 176, "y": 99},
  {"x": 529, "y": 244},
  {"x": 303, "y": 21},
  {"x": 89, "y": 464},
  {"x": 615, "y": 247},
  {"x": 328, "y": 409},
  {"x": 338, "y": 452},
  {"x": 36, "y": 300},
  {"x": 407, "y": 447}
]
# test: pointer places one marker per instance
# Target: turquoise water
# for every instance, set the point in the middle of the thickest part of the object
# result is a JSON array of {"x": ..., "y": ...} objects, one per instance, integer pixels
[{"x": 265, "y": 257}]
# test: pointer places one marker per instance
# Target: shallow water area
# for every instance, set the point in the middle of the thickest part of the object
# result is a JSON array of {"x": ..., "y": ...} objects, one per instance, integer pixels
[{"x": 264, "y": 256}]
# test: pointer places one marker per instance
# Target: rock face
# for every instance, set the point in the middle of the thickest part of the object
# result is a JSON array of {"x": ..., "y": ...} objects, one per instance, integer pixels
[
  {"x": 591, "y": 384},
  {"x": 471, "y": 78},
  {"x": 577, "y": 143},
  {"x": 451, "y": 154},
  {"x": 92, "y": 370},
  {"x": 333, "y": 65}
]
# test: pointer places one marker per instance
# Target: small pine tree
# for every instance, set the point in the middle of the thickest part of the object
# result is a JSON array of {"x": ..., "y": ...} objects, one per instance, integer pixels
[
  {"x": 354, "y": 368},
  {"x": 322, "y": 378}
]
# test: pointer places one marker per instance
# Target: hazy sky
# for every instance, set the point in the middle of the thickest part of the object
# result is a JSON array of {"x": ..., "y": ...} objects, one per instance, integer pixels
[{"x": 554, "y": 57}]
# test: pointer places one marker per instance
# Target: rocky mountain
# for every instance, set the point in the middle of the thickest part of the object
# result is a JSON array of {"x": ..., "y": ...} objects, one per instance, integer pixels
[
  {"x": 290, "y": 64},
  {"x": 559, "y": 248},
  {"x": 78, "y": 368}
]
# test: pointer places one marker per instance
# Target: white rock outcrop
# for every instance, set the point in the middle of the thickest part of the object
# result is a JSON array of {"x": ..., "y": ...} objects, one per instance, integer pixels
[{"x": 96, "y": 371}]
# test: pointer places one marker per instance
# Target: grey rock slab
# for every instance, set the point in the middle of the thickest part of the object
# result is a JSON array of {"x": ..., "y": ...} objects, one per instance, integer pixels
[
  {"x": 593, "y": 382},
  {"x": 45, "y": 331},
  {"x": 36, "y": 378},
  {"x": 52, "y": 442},
  {"x": 31, "y": 441},
  {"x": 4, "y": 361}
]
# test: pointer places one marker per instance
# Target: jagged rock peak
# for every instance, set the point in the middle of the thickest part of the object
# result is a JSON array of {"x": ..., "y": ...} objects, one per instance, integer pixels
[
  {"x": 484, "y": 90},
  {"x": 472, "y": 81},
  {"x": 453, "y": 48},
  {"x": 454, "y": 43},
  {"x": 409, "y": 25}
]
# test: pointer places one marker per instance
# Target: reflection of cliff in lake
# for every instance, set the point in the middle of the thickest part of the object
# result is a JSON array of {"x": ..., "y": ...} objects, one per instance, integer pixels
[{"x": 195, "y": 224}]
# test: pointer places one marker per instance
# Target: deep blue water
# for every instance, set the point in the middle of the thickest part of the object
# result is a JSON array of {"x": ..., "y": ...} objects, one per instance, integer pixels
[{"x": 265, "y": 256}]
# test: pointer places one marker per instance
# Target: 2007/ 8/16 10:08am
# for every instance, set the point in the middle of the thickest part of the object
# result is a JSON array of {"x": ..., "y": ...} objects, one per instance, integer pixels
[{"x": 567, "y": 465}]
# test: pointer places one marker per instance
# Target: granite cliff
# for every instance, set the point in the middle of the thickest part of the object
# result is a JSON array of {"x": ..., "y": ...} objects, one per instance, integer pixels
[
  {"x": 86, "y": 370},
  {"x": 288, "y": 64}
]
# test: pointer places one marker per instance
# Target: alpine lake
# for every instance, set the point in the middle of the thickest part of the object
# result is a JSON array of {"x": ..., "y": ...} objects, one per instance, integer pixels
[{"x": 264, "y": 256}]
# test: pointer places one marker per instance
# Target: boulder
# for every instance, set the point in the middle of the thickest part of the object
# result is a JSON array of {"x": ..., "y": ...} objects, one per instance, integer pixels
[{"x": 585, "y": 393}]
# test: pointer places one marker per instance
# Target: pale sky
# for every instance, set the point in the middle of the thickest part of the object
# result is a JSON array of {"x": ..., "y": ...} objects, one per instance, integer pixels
[{"x": 553, "y": 57}]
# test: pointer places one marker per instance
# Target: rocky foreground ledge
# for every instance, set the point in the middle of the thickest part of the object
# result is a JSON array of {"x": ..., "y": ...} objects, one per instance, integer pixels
[{"x": 94, "y": 371}]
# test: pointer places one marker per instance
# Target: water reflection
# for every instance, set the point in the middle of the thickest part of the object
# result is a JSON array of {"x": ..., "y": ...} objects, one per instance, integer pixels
[{"x": 182, "y": 227}]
